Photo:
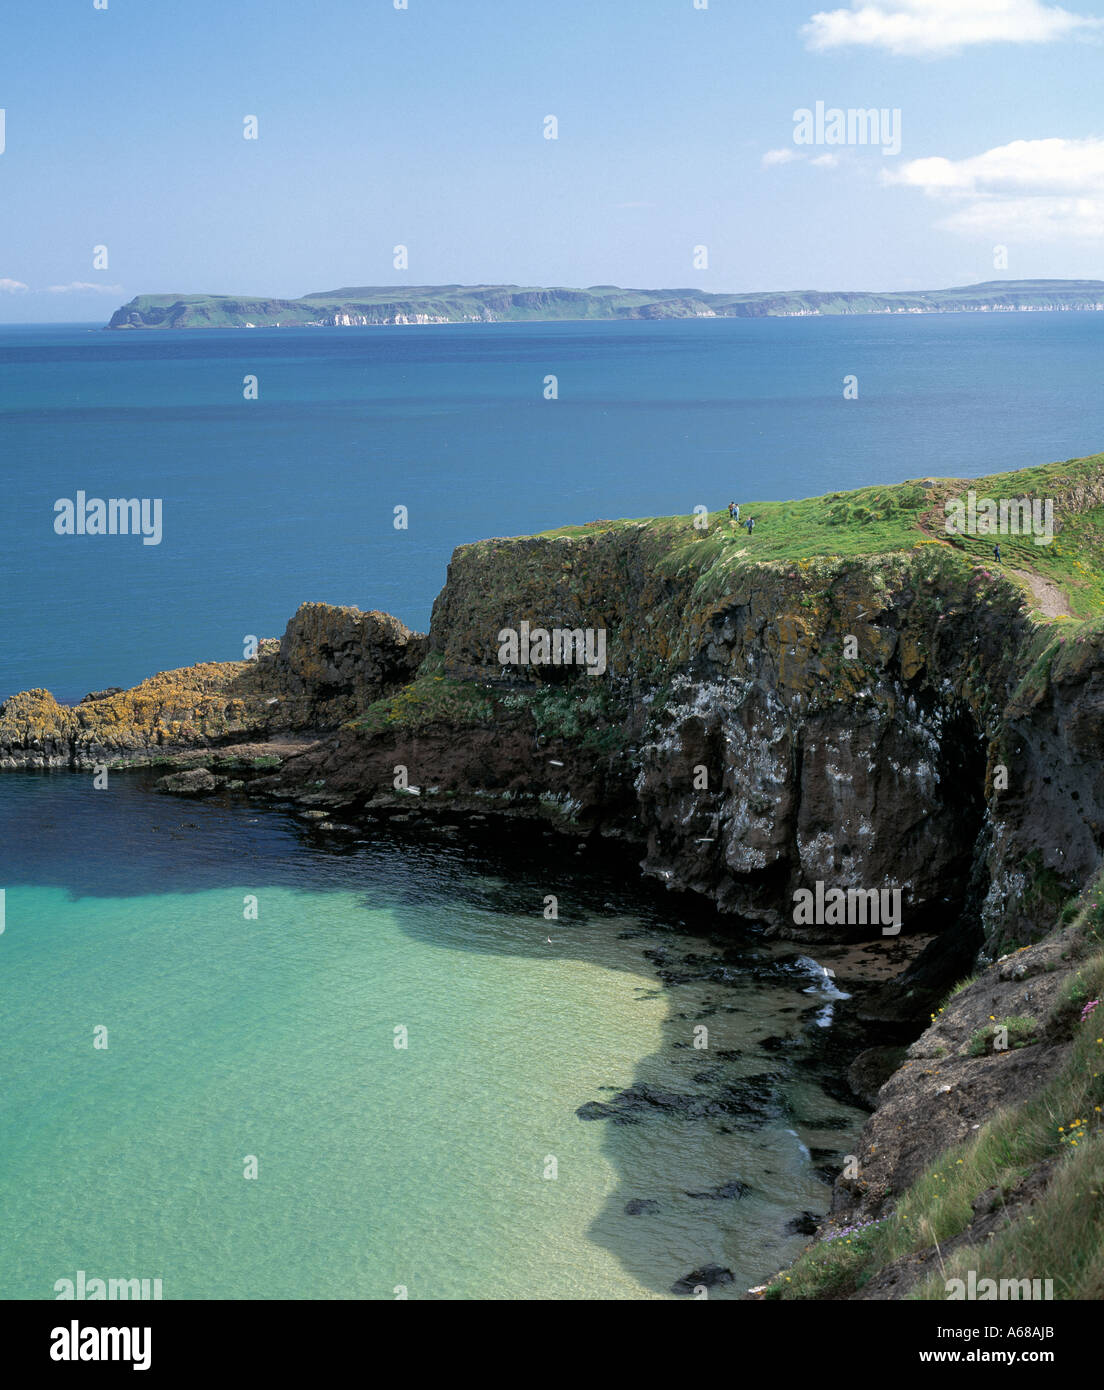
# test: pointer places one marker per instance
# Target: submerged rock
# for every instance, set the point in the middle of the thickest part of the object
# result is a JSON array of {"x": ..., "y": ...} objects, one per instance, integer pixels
[
  {"x": 725, "y": 1192},
  {"x": 709, "y": 1277},
  {"x": 198, "y": 781},
  {"x": 595, "y": 1110},
  {"x": 749, "y": 1102}
]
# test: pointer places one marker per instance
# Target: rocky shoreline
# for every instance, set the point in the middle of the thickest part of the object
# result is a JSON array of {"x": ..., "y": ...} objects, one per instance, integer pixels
[
  {"x": 732, "y": 737},
  {"x": 899, "y": 719}
]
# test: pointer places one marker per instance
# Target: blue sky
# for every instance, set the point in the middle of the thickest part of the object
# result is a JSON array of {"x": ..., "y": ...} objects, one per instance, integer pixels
[{"x": 123, "y": 128}]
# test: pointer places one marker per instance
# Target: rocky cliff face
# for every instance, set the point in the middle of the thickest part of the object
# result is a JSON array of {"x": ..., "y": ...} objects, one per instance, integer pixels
[
  {"x": 893, "y": 723},
  {"x": 329, "y": 664},
  {"x": 889, "y": 722}
]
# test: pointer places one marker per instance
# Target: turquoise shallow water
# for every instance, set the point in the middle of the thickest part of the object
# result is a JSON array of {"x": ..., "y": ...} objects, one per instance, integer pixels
[{"x": 378, "y": 1167}]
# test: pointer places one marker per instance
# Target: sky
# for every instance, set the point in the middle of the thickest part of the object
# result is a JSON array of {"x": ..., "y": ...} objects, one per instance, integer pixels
[{"x": 124, "y": 128}]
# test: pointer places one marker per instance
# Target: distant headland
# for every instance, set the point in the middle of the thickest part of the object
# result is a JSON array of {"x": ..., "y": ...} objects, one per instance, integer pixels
[{"x": 390, "y": 305}]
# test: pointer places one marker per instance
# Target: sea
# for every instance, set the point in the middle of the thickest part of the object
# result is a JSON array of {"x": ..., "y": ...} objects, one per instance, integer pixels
[
  {"x": 256, "y": 1059},
  {"x": 269, "y": 503}
]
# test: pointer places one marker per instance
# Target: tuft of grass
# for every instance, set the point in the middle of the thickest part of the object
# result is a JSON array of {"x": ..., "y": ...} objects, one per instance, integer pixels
[
  {"x": 832, "y": 1269},
  {"x": 940, "y": 1204},
  {"x": 1088, "y": 930},
  {"x": 576, "y": 710},
  {"x": 427, "y": 700},
  {"x": 1016, "y": 1030},
  {"x": 953, "y": 991},
  {"x": 1060, "y": 1238},
  {"x": 1086, "y": 984}
]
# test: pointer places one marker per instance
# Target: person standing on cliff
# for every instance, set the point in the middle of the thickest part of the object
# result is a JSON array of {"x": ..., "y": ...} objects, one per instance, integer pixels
[
  {"x": 996, "y": 552},
  {"x": 734, "y": 512},
  {"x": 750, "y": 524}
]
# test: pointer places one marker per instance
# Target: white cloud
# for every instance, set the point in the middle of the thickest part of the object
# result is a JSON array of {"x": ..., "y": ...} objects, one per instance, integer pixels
[
  {"x": 944, "y": 26},
  {"x": 1031, "y": 219},
  {"x": 83, "y": 287},
  {"x": 783, "y": 156},
  {"x": 11, "y": 286},
  {"x": 1024, "y": 166},
  {"x": 1034, "y": 190},
  {"x": 787, "y": 156}
]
